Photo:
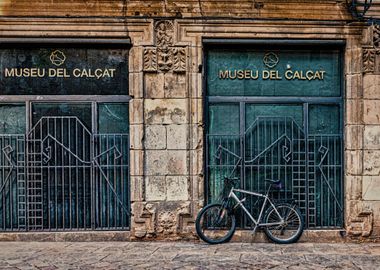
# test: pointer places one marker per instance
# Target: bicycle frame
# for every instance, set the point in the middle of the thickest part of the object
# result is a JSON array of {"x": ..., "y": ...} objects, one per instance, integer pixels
[{"x": 266, "y": 200}]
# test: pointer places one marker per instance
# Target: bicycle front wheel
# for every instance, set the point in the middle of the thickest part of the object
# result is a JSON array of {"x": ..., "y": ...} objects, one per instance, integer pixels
[
  {"x": 285, "y": 232},
  {"x": 215, "y": 224}
]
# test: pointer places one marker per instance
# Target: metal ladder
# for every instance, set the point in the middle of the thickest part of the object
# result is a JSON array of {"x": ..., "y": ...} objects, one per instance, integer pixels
[
  {"x": 299, "y": 172},
  {"x": 312, "y": 184},
  {"x": 21, "y": 184},
  {"x": 34, "y": 188}
]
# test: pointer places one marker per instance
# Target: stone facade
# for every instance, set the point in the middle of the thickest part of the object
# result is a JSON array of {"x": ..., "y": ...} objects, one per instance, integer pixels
[
  {"x": 165, "y": 82},
  {"x": 167, "y": 120},
  {"x": 362, "y": 203}
]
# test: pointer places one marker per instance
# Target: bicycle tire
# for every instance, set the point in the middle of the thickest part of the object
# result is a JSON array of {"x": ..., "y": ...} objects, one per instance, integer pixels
[
  {"x": 219, "y": 232},
  {"x": 293, "y": 225}
]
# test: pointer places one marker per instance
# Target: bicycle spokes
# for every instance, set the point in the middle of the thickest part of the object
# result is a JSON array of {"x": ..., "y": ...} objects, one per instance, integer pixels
[
  {"x": 215, "y": 224},
  {"x": 287, "y": 224}
]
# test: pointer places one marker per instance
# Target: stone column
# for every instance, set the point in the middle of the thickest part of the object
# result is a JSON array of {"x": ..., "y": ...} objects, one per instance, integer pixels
[
  {"x": 363, "y": 139},
  {"x": 166, "y": 141},
  {"x": 371, "y": 120}
]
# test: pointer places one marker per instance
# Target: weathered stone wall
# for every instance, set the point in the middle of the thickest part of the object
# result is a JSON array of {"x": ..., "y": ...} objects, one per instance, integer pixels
[
  {"x": 274, "y": 9},
  {"x": 166, "y": 110},
  {"x": 166, "y": 118},
  {"x": 363, "y": 140}
]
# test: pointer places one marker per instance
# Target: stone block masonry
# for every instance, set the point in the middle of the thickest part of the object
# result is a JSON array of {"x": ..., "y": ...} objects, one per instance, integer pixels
[{"x": 166, "y": 116}]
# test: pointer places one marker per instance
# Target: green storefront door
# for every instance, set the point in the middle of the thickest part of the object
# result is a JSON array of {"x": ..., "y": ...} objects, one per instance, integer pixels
[
  {"x": 64, "y": 136},
  {"x": 279, "y": 128}
]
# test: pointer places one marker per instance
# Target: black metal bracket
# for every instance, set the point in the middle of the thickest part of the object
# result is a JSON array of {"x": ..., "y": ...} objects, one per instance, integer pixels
[{"x": 359, "y": 9}]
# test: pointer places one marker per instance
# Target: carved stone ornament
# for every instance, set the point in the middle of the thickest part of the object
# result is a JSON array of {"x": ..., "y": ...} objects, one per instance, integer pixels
[
  {"x": 144, "y": 217},
  {"x": 150, "y": 59},
  {"x": 164, "y": 33},
  {"x": 179, "y": 57},
  {"x": 362, "y": 225},
  {"x": 165, "y": 57},
  {"x": 371, "y": 52},
  {"x": 376, "y": 36},
  {"x": 165, "y": 61},
  {"x": 369, "y": 57},
  {"x": 166, "y": 222}
]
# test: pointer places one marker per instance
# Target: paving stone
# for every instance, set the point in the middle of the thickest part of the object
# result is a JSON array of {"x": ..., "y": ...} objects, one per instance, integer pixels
[{"x": 187, "y": 255}]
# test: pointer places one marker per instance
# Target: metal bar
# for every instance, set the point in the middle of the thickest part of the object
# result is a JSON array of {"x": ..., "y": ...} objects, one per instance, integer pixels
[
  {"x": 48, "y": 185},
  {"x": 278, "y": 42},
  {"x": 306, "y": 133},
  {"x": 56, "y": 178},
  {"x": 275, "y": 99},
  {"x": 341, "y": 153},
  {"x": 315, "y": 179},
  {"x": 4, "y": 205},
  {"x": 63, "y": 176},
  {"x": 69, "y": 172},
  {"x": 268, "y": 148},
  {"x": 59, "y": 98},
  {"x": 125, "y": 41},
  {"x": 100, "y": 196},
  {"x": 10, "y": 189},
  {"x": 77, "y": 177},
  {"x": 249, "y": 192},
  {"x": 110, "y": 186},
  {"x": 242, "y": 149},
  {"x": 108, "y": 203},
  {"x": 115, "y": 206},
  {"x": 94, "y": 127},
  {"x": 124, "y": 220},
  {"x": 84, "y": 184},
  {"x": 128, "y": 178}
]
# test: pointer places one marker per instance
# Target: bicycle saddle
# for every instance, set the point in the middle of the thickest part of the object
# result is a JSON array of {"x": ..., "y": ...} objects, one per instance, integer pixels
[
  {"x": 231, "y": 178},
  {"x": 275, "y": 183}
]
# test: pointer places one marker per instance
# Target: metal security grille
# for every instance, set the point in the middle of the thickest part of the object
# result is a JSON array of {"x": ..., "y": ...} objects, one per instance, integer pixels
[
  {"x": 278, "y": 147},
  {"x": 60, "y": 176}
]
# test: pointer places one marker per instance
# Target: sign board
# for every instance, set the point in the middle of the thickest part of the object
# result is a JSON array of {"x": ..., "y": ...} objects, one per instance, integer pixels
[
  {"x": 63, "y": 71},
  {"x": 273, "y": 73}
]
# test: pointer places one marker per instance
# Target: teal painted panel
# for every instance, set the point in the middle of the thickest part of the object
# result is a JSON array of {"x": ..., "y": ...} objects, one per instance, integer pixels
[
  {"x": 113, "y": 118},
  {"x": 253, "y": 111},
  {"x": 273, "y": 73},
  {"x": 224, "y": 119},
  {"x": 80, "y": 110},
  {"x": 12, "y": 119},
  {"x": 324, "y": 119}
]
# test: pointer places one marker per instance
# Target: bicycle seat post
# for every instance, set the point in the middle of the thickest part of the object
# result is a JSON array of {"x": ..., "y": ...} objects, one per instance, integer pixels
[{"x": 269, "y": 189}]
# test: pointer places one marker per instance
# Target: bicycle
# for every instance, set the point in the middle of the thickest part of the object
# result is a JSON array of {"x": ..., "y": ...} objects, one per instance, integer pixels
[{"x": 216, "y": 222}]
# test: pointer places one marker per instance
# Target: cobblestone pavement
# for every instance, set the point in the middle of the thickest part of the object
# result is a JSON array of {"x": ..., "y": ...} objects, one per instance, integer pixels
[{"x": 186, "y": 255}]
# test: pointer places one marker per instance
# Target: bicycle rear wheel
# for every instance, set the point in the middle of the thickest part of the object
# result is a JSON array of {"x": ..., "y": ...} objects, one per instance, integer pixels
[
  {"x": 292, "y": 227},
  {"x": 215, "y": 224}
]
